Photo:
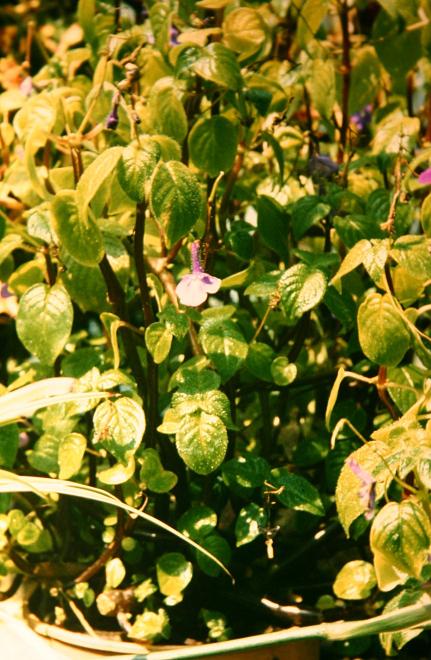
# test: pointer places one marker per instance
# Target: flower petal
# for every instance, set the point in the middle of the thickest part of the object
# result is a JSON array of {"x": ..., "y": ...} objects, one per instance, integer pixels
[
  {"x": 425, "y": 177},
  {"x": 191, "y": 291},
  {"x": 211, "y": 283}
]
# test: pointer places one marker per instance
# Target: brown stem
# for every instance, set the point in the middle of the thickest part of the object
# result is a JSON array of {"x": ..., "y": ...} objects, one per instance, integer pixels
[
  {"x": 110, "y": 551},
  {"x": 117, "y": 16},
  {"x": 389, "y": 224},
  {"x": 117, "y": 299},
  {"x": 383, "y": 394},
  {"x": 140, "y": 263},
  {"x": 152, "y": 374},
  {"x": 51, "y": 270},
  {"x": 428, "y": 117},
  {"x": 300, "y": 337},
  {"x": 410, "y": 88},
  {"x": 345, "y": 72}
]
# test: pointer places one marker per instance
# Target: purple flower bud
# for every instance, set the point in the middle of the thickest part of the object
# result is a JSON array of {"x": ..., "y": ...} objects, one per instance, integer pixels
[
  {"x": 173, "y": 36},
  {"x": 193, "y": 289},
  {"x": 112, "y": 119},
  {"x": 425, "y": 177},
  {"x": 362, "y": 118},
  {"x": 322, "y": 165}
]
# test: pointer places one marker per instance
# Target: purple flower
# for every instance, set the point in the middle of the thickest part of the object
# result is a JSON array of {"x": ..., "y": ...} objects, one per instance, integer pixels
[
  {"x": 362, "y": 118},
  {"x": 425, "y": 177},
  {"x": 194, "y": 288},
  {"x": 323, "y": 165},
  {"x": 173, "y": 36},
  {"x": 367, "y": 491}
]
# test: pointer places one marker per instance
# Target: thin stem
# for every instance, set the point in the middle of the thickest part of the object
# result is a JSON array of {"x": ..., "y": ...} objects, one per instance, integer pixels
[
  {"x": 140, "y": 263},
  {"x": 210, "y": 230},
  {"x": 345, "y": 72},
  {"x": 389, "y": 224},
  {"x": 300, "y": 337},
  {"x": 152, "y": 375},
  {"x": 51, "y": 270},
  {"x": 117, "y": 299},
  {"x": 382, "y": 392},
  {"x": 106, "y": 555}
]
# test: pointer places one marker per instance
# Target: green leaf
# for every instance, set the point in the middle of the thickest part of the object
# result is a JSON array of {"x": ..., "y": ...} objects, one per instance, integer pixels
[
  {"x": 354, "y": 258},
  {"x": 252, "y": 519},
  {"x": 310, "y": 15},
  {"x": 245, "y": 473},
  {"x": 225, "y": 346},
  {"x": 259, "y": 359},
  {"x": 9, "y": 443},
  {"x": 151, "y": 626},
  {"x": 8, "y": 244},
  {"x": 100, "y": 171},
  {"x": 136, "y": 166},
  {"x": 413, "y": 254},
  {"x": 219, "y": 547},
  {"x": 202, "y": 442},
  {"x": 395, "y": 132},
  {"x": 175, "y": 199},
  {"x": 115, "y": 573},
  {"x": 322, "y": 86},
  {"x": 28, "y": 534},
  {"x": 302, "y": 288},
  {"x": 219, "y": 65},
  {"x": 175, "y": 321},
  {"x": 383, "y": 334},
  {"x": 400, "y": 536},
  {"x": 283, "y": 372},
  {"x": 168, "y": 114},
  {"x": 278, "y": 153},
  {"x": 119, "y": 426},
  {"x": 85, "y": 14},
  {"x": 158, "y": 340},
  {"x": 197, "y": 522},
  {"x": 212, "y": 144},
  {"x": 174, "y": 573},
  {"x": 119, "y": 473},
  {"x": 411, "y": 380},
  {"x": 160, "y": 23},
  {"x": 295, "y": 492},
  {"x": 170, "y": 149},
  {"x": 365, "y": 78},
  {"x": 152, "y": 474},
  {"x": 353, "y": 228},
  {"x": 265, "y": 286},
  {"x": 212, "y": 402},
  {"x": 44, "y": 321},
  {"x": 372, "y": 459},
  {"x": 79, "y": 234},
  {"x": 244, "y": 31},
  {"x": 272, "y": 223},
  {"x": 193, "y": 379},
  {"x": 71, "y": 451},
  {"x": 426, "y": 215},
  {"x": 44, "y": 455},
  {"x": 355, "y": 581}
]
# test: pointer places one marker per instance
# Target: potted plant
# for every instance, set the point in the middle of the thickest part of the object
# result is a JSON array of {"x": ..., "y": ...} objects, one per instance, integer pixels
[{"x": 215, "y": 264}]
